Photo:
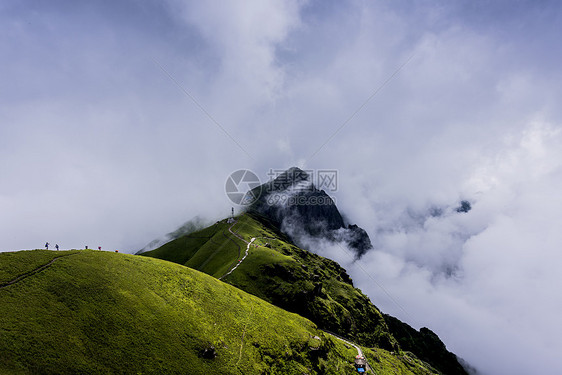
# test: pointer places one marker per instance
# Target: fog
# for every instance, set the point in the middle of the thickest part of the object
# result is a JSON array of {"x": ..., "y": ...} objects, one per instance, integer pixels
[{"x": 120, "y": 121}]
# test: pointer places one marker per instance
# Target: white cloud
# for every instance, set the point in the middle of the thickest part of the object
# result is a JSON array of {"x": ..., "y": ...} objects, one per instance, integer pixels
[
  {"x": 498, "y": 310},
  {"x": 99, "y": 146}
]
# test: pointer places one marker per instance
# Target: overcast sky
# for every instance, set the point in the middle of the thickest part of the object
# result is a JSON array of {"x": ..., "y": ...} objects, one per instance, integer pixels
[{"x": 120, "y": 120}]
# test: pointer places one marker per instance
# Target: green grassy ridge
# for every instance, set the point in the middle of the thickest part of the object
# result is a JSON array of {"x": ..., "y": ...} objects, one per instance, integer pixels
[
  {"x": 190, "y": 243},
  {"x": 341, "y": 308},
  {"x": 402, "y": 363},
  {"x": 213, "y": 250},
  {"x": 305, "y": 283},
  {"x": 217, "y": 255},
  {"x": 98, "y": 312},
  {"x": 16, "y": 264},
  {"x": 287, "y": 276}
]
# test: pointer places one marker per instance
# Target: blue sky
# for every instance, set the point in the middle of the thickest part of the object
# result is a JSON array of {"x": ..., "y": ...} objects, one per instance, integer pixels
[{"x": 100, "y": 145}]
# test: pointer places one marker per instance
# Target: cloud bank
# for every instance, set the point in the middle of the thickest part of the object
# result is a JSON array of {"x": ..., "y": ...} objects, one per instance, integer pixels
[{"x": 117, "y": 124}]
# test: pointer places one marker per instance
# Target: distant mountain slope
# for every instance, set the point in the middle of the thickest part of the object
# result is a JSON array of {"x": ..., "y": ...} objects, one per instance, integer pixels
[
  {"x": 295, "y": 279},
  {"x": 93, "y": 312},
  {"x": 188, "y": 227}
]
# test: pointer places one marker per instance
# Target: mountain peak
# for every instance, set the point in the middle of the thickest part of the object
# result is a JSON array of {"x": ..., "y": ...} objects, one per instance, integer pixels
[
  {"x": 296, "y": 171},
  {"x": 291, "y": 178},
  {"x": 296, "y": 206}
]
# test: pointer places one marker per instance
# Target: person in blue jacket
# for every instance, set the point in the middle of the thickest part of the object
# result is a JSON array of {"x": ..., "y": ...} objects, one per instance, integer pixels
[{"x": 360, "y": 364}]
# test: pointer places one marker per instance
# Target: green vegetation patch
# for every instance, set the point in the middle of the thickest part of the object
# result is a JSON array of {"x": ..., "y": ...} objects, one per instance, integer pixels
[
  {"x": 302, "y": 282},
  {"x": 287, "y": 276},
  {"x": 97, "y": 312},
  {"x": 183, "y": 248},
  {"x": 18, "y": 264},
  {"x": 384, "y": 362}
]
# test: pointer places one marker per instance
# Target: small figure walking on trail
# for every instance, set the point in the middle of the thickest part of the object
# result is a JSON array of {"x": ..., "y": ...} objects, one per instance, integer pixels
[
  {"x": 360, "y": 364},
  {"x": 99, "y": 247},
  {"x": 57, "y": 247},
  {"x": 86, "y": 247},
  {"x": 46, "y": 246}
]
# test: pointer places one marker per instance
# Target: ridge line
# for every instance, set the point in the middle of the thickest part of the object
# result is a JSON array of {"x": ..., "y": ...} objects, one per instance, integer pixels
[{"x": 32, "y": 272}]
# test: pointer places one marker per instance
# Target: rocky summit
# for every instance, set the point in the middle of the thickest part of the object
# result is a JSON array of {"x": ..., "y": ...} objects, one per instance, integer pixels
[{"x": 294, "y": 204}]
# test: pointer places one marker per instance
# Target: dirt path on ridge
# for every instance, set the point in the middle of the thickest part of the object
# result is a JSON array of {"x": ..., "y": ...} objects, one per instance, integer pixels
[{"x": 32, "y": 272}]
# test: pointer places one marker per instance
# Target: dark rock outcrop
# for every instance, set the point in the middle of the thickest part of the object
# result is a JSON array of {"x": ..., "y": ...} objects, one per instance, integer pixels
[
  {"x": 208, "y": 353},
  {"x": 293, "y": 203},
  {"x": 464, "y": 207},
  {"x": 426, "y": 345}
]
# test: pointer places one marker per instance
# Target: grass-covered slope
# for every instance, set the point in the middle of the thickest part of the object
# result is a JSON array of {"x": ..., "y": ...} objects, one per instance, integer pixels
[
  {"x": 212, "y": 250},
  {"x": 91, "y": 312},
  {"x": 283, "y": 274},
  {"x": 295, "y": 279}
]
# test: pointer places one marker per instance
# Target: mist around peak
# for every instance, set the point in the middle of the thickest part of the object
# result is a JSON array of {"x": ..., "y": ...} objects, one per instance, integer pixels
[{"x": 304, "y": 212}]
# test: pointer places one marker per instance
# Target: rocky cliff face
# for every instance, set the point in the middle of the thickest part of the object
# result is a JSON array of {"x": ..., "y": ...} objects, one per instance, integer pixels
[
  {"x": 426, "y": 344},
  {"x": 296, "y": 206}
]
